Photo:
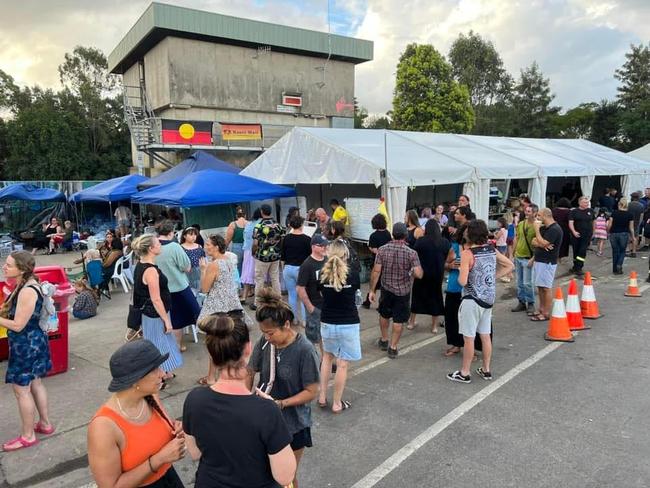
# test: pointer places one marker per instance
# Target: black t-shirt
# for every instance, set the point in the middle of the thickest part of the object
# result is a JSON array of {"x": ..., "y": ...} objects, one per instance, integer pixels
[
  {"x": 235, "y": 434},
  {"x": 553, "y": 234},
  {"x": 309, "y": 277},
  {"x": 339, "y": 307},
  {"x": 295, "y": 249},
  {"x": 296, "y": 367},
  {"x": 621, "y": 221},
  {"x": 378, "y": 238},
  {"x": 583, "y": 221}
]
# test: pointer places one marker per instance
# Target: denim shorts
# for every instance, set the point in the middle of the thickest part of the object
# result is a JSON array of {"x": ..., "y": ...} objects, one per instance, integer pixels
[
  {"x": 544, "y": 274},
  {"x": 342, "y": 340}
]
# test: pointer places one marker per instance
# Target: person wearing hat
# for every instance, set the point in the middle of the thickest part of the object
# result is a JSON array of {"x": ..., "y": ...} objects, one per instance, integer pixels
[
  {"x": 308, "y": 288},
  {"x": 395, "y": 263},
  {"x": 131, "y": 440}
]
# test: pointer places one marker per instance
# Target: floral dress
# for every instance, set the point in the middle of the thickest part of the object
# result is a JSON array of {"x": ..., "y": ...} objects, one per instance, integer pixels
[
  {"x": 29, "y": 350},
  {"x": 194, "y": 276},
  {"x": 222, "y": 297}
]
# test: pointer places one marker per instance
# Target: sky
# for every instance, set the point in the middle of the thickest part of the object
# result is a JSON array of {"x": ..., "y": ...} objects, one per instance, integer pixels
[{"x": 578, "y": 44}]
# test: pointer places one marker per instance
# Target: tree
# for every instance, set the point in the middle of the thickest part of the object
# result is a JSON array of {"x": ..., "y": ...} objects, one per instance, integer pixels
[
  {"x": 377, "y": 122},
  {"x": 477, "y": 65},
  {"x": 605, "y": 128},
  {"x": 360, "y": 114},
  {"x": 531, "y": 101},
  {"x": 634, "y": 96},
  {"x": 634, "y": 76},
  {"x": 577, "y": 123},
  {"x": 426, "y": 97}
]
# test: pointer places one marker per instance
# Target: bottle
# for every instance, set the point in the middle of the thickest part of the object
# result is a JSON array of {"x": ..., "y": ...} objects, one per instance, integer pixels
[{"x": 358, "y": 298}]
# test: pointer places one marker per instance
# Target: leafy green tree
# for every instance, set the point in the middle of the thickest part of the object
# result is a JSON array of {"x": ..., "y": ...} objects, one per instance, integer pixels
[
  {"x": 360, "y": 114},
  {"x": 577, "y": 123},
  {"x": 605, "y": 128},
  {"x": 426, "y": 96},
  {"x": 477, "y": 65},
  {"x": 634, "y": 96},
  {"x": 531, "y": 101},
  {"x": 377, "y": 122}
]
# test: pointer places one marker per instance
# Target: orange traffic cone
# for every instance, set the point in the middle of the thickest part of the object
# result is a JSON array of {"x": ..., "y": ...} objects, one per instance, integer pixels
[
  {"x": 558, "y": 327},
  {"x": 633, "y": 287},
  {"x": 588, "y": 303},
  {"x": 573, "y": 312}
]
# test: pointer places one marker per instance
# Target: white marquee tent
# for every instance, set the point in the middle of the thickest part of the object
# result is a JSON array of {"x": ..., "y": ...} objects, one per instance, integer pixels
[
  {"x": 641, "y": 153},
  {"x": 402, "y": 160}
]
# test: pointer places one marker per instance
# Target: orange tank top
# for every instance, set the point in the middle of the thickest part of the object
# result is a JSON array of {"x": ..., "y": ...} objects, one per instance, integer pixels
[{"x": 140, "y": 441}]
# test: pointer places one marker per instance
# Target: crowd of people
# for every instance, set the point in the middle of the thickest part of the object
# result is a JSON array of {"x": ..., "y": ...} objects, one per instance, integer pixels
[{"x": 255, "y": 435}]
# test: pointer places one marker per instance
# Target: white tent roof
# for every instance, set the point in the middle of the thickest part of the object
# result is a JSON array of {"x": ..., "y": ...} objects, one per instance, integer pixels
[
  {"x": 641, "y": 153},
  {"x": 319, "y": 155}
]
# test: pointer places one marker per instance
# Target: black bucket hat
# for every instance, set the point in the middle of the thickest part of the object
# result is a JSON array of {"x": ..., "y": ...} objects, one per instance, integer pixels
[{"x": 132, "y": 362}]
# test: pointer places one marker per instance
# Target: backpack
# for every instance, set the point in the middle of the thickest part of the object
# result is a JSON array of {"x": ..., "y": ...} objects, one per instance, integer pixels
[{"x": 48, "y": 320}]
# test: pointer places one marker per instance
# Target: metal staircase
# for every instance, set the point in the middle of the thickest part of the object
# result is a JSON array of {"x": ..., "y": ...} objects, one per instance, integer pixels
[{"x": 144, "y": 126}]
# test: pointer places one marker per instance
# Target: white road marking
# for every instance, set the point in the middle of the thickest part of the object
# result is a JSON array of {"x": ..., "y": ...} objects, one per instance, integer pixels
[
  {"x": 411, "y": 348},
  {"x": 385, "y": 468}
]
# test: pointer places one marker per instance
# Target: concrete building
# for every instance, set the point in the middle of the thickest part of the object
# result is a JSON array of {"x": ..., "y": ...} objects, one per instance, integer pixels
[{"x": 181, "y": 64}]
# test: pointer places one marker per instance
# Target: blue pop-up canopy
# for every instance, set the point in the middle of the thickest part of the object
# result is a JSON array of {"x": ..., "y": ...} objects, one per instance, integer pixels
[
  {"x": 23, "y": 191},
  {"x": 122, "y": 188},
  {"x": 198, "y": 161},
  {"x": 209, "y": 187}
]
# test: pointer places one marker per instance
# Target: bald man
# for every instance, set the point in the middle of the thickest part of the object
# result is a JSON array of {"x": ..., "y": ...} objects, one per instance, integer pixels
[{"x": 547, "y": 241}]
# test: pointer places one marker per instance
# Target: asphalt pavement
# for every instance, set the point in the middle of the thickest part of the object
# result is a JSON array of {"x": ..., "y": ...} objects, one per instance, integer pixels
[{"x": 556, "y": 414}]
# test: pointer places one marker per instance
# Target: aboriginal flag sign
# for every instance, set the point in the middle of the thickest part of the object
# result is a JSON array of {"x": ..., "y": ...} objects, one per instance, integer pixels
[{"x": 186, "y": 132}]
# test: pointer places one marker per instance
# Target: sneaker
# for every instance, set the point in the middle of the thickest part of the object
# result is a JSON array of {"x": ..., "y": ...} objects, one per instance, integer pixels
[
  {"x": 521, "y": 307},
  {"x": 383, "y": 345},
  {"x": 456, "y": 376},
  {"x": 392, "y": 353},
  {"x": 486, "y": 375}
]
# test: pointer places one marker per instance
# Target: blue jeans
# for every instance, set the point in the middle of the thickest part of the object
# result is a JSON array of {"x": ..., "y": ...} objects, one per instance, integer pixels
[
  {"x": 525, "y": 291},
  {"x": 619, "y": 242},
  {"x": 290, "y": 275}
]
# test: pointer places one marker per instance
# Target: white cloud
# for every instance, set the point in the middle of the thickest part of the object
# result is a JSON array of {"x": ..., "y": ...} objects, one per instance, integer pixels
[{"x": 577, "y": 43}]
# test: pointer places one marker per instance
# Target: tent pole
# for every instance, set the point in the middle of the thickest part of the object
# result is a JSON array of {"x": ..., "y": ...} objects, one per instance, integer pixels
[
  {"x": 110, "y": 213},
  {"x": 384, "y": 186}
]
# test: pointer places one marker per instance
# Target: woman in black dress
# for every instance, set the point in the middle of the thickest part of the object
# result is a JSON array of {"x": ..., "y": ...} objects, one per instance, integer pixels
[
  {"x": 378, "y": 238},
  {"x": 414, "y": 230},
  {"x": 426, "y": 297},
  {"x": 561, "y": 216}
]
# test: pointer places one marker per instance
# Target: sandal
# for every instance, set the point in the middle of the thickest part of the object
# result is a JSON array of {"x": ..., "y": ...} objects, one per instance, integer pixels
[
  {"x": 203, "y": 381},
  {"x": 183, "y": 348},
  {"x": 18, "y": 443},
  {"x": 344, "y": 406},
  {"x": 452, "y": 351},
  {"x": 43, "y": 430},
  {"x": 539, "y": 318},
  {"x": 322, "y": 405},
  {"x": 532, "y": 313}
]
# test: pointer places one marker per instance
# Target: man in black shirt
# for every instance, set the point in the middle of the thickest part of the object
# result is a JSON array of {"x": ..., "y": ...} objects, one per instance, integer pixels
[
  {"x": 581, "y": 225},
  {"x": 547, "y": 242},
  {"x": 309, "y": 290}
]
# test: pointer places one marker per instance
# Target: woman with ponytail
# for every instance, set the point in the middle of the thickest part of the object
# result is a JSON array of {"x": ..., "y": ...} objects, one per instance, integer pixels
[
  {"x": 131, "y": 439},
  {"x": 340, "y": 323},
  {"x": 288, "y": 367},
  {"x": 239, "y": 438},
  {"x": 29, "y": 352}
]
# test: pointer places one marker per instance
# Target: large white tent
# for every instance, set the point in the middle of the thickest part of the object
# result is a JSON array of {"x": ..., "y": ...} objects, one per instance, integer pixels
[
  {"x": 402, "y": 160},
  {"x": 640, "y": 183}
]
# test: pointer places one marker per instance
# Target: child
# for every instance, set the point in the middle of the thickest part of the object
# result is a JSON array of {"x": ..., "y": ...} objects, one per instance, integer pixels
[
  {"x": 600, "y": 230},
  {"x": 85, "y": 305},
  {"x": 505, "y": 239}
]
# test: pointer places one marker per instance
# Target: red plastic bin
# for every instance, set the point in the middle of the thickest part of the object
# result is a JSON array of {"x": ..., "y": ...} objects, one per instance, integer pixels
[{"x": 58, "y": 338}]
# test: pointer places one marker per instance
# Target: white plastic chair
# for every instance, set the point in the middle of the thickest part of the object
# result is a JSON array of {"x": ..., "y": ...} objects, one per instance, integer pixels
[
  {"x": 118, "y": 274},
  {"x": 128, "y": 272}
]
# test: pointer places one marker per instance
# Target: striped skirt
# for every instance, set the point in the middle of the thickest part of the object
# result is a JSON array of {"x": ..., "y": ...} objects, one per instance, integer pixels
[{"x": 153, "y": 330}]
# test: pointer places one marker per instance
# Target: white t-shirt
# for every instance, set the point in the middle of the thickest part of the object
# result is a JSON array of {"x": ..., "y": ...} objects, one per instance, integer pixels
[{"x": 122, "y": 213}]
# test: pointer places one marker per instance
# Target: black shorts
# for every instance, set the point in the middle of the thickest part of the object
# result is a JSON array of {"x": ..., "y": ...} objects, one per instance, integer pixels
[
  {"x": 395, "y": 306},
  {"x": 301, "y": 439}
]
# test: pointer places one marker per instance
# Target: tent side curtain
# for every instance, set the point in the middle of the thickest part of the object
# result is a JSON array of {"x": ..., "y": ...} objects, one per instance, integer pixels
[
  {"x": 587, "y": 185},
  {"x": 22, "y": 191},
  {"x": 478, "y": 192},
  {"x": 397, "y": 198},
  {"x": 537, "y": 190}
]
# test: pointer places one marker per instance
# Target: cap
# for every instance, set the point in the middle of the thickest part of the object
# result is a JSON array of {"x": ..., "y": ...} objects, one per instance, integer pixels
[
  {"x": 400, "y": 229},
  {"x": 132, "y": 362},
  {"x": 319, "y": 240}
]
